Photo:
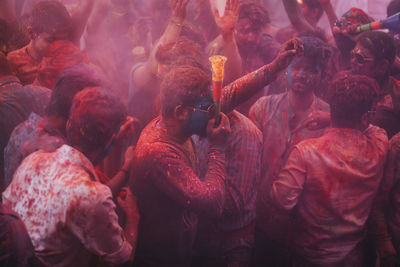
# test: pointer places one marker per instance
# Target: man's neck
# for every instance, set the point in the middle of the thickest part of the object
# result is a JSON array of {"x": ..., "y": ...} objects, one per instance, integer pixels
[
  {"x": 174, "y": 131},
  {"x": 300, "y": 102}
]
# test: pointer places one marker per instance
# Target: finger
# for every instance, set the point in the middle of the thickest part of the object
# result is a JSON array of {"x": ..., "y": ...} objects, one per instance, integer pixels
[
  {"x": 288, "y": 53},
  {"x": 236, "y": 8},
  {"x": 228, "y": 5},
  {"x": 173, "y": 4},
  {"x": 225, "y": 122}
]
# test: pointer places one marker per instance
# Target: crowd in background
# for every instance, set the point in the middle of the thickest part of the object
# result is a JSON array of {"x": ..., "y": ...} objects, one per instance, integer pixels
[{"x": 115, "y": 151}]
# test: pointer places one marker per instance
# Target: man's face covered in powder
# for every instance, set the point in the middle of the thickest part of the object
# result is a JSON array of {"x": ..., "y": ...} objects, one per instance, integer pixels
[
  {"x": 362, "y": 61},
  {"x": 303, "y": 76},
  {"x": 198, "y": 119},
  {"x": 248, "y": 34}
]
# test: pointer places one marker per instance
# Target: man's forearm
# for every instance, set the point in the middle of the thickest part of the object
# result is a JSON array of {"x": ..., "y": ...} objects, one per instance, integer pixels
[
  {"x": 234, "y": 63},
  {"x": 245, "y": 87},
  {"x": 296, "y": 16}
]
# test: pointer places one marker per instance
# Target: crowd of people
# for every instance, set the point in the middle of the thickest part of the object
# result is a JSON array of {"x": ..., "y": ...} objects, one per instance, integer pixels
[{"x": 113, "y": 150}]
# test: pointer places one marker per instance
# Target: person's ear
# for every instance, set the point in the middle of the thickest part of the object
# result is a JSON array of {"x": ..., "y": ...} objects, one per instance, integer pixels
[{"x": 181, "y": 113}]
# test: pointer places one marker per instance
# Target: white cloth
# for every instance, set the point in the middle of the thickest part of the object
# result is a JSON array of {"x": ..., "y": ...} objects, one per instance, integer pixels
[{"x": 68, "y": 213}]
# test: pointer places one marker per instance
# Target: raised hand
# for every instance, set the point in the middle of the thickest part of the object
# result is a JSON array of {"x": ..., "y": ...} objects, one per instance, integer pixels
[
  {"x": 227, "y": 22},
  {"x": 178, "y": 8},
  {"x": 289, "y": 50},
  {"x": 218, "y": 135}
]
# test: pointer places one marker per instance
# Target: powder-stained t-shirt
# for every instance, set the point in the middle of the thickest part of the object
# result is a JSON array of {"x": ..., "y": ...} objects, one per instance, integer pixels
[
  {"x": 68, "y": 213},
  {"x": 23, "y": 65}
]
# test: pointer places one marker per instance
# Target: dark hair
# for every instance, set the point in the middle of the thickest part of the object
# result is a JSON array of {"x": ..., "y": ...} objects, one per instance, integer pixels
[
  {"x": 96, "y": 114},
  {"x": 350, "y": 97},
  {"x": 69, "y": 82},
  {"x": 51, "y": 17},
  {"x": 315, "y": 4},
  {"x": 167, "y": 54},
  {"x": 255, "y": 12},
  {"x": 191, "y": 32},
  {"x": 316, "y": 50},
  {"x": 380, "y": 44},
  {"x": 183, "y": 85},
  {"x": 393, "y": 8}
]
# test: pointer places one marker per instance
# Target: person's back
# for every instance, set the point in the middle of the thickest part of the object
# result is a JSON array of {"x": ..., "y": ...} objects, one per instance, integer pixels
[
  {"x": 344, "y": 169},
  {"x": 47, "y": 131},
  {"x": 70, "y": 216},
  {"x": 57, "y": 206},
  {"x": 331, "y": 182}
]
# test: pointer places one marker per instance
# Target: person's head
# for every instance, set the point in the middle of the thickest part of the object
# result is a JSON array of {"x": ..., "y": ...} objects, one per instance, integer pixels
[
  {"x": 251, "y": 21},
  {"x": 94, "y": 122},
  {"x": 393, "y": 8},
  {"x": 4, "y": 67},
  {"x": 305, "y": 72},
  {"x": 186, "y": 99},
  {"x": 69, "y": 82},
  {"x": 167, "y": 55},
  {"x": 354, "y": 16},
  {"x": 373, "y": 55},
  {"x": 312, "y": 11},
  {"x": 49, "y": 21},
  {"x": 350, "y": 98}
]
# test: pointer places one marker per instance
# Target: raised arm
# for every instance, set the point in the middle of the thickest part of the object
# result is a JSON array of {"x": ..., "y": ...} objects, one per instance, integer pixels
[
  {"x": 226, "y": 26},
  {"x": 296, "y": 16},
  {"x": 245, "y": 87},
  {"x": 146, "y": 73},
  {"x": 80, "y": 19},
  {"x": 174, "y": 177},
  {"x": 330, "y": 12}
]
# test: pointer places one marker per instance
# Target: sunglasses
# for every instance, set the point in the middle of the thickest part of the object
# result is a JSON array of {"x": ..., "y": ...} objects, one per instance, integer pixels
[
  {"x": 209, "y": 110},
  {"x": 360, "y": 58}
]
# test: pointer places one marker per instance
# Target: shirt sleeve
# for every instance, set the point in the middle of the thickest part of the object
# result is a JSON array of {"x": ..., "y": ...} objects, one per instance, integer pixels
[
  {"x": 94, "y": 222},
  {"x": 391, "y": 188},
  {"x": 288, "y": 187},
  {"x": 377, "y": 222},
  {"x": 178, "y": 180},
  {"x": 243, "y": 169},
  {"x": 244, "y": 88}
]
